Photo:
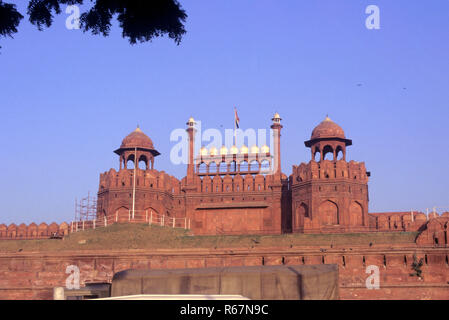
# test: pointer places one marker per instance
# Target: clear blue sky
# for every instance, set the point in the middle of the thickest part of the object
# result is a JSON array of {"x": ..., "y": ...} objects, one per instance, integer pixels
[{"x": 68, "y": 98}]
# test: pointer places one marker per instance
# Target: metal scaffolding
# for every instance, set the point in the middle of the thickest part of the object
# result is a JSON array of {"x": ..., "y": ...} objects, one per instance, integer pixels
[{"x": 86, "y": 208}]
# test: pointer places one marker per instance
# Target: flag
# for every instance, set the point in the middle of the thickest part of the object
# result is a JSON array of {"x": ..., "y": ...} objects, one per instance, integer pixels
[{"x": 236, "y": 118}]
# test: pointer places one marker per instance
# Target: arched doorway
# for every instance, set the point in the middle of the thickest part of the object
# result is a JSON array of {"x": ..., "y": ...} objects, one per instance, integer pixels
[
  {"x": 328, "y": 211},
  {"x": 302, "y": 211},
  {"x": 152, "y": 216},
  {"x": 356, "y": 214},
  {"x": 121, "y": 214}
]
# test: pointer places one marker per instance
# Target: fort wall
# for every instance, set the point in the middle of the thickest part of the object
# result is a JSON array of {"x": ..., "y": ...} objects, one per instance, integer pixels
[
  {"x": 33, "y": 231},
  {"x": 234, "y": 215},
  {"x": 33, "y": 275}
]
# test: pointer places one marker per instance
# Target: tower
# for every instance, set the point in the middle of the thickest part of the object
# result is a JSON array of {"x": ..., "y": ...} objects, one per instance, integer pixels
[
  {"x": 138, "y": 192},
  {"x": 276, "y": 127},
  {"x": 191, "y": 165},
  {"x": 329, "y": 194},
  {"x": 137, "y": 147}
]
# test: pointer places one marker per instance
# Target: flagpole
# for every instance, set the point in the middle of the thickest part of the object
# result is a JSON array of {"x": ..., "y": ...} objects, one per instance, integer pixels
[
  {"x": 235, "y": 128},
  {"x": 236, "y": 125},
  {"x": 136, "y": 163}
]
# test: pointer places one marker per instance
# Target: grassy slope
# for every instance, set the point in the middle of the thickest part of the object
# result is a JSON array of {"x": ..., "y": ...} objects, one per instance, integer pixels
[{"x": 135, "y": 236}]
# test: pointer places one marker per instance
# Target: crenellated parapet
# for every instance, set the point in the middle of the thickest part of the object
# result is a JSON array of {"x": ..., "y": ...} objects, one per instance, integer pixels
[
  {"x": 33, "y": 231},
  {"x": 402, "y": 221},
  {"x": 327, "y": 170},
  {"x": 153, "y": 179},
  {"x": 234, "y": 184}
]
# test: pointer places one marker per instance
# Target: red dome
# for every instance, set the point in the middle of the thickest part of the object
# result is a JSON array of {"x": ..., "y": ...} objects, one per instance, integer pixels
[
  {"x": 137, "y": 139},
  {"x": 327, "y": 129}
]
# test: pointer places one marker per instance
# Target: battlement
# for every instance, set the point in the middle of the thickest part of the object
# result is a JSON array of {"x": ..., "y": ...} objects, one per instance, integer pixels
[
  {"x": 328, "y": 170},
  {"x": 402, "y": 221},
  {"x": 33, "y": 231},
  {"x": 151, "y": 179},
  {"x": 235, "y": 183}
]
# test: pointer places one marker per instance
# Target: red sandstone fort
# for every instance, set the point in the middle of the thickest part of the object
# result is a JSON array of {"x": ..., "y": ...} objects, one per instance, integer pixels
[
  {"x": 229, "y": 192},
  {"x": 244, "y": 191}
]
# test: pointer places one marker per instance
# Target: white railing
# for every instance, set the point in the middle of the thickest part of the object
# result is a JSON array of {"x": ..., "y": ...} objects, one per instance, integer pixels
[{"x": 138, "y": 216}]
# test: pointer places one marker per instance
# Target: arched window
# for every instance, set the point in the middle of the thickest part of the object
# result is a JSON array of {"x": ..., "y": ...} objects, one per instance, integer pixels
[
  {"x": 223, "y": 167},
  {"x": 317, "y": 155},
  {"x": 244, "y": 166},
  {"x": 265, "y": 166},
  {"x": 130, "y": 163},
  {"x": 212, "y": 167},
  {"x": 254, "y": 166},
  {"x": 328, "y": 153},
  {"x": 339, "y": 153},
  {"x": 202, "y": 168},
  {"x": 143, "y": 162}
]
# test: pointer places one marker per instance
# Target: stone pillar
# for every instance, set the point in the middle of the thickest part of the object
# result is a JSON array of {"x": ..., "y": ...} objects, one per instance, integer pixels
[
  {"x": 190, "y": 165},
  {"x": 276, "y": 126}
]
